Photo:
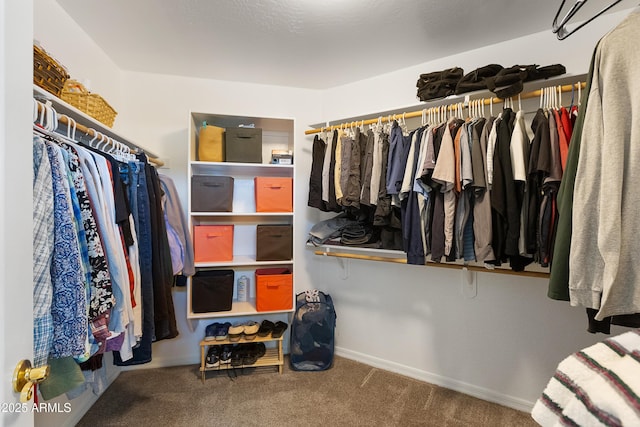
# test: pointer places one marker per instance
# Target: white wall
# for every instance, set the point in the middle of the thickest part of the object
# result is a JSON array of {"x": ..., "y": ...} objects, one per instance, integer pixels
[
  {"x": 63, "y": 39},
  {"x": 398, "y": 89},
  {"x": 505, "y": 344}
]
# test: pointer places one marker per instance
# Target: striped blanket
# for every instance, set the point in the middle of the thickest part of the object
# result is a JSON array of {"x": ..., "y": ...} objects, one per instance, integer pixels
[{"x": 597, "y": 386}]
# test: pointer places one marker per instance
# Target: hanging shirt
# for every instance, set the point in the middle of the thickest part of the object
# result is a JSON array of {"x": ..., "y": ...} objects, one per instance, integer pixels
[
  {"x": 397, "y": 160},
  {"x": 69, "y": 303},
  {"x": 350, "y": 175},
  {"x": 604, "y": 271},
  {"x": 376, "y": 170},
  {"x": 491, "y": 146},
  {"x": 43, "y": 246},
  {"x": 315, "y": 177},
  {"x": 482, "y": 226},
  {"x": 326, "y": 167},
  {"x": 520, "y": 148},
  {"x": 337, "y": 167}
]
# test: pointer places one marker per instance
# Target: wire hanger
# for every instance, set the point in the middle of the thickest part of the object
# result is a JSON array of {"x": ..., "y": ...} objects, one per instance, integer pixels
[{"x": 560, "y": 29}]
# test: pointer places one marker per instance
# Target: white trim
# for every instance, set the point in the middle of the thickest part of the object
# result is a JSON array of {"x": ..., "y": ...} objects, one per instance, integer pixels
[
  {"x": 166, "y": 362},
  {"x": 439, "y": 380},
  {"x": 80, "y": 406}
]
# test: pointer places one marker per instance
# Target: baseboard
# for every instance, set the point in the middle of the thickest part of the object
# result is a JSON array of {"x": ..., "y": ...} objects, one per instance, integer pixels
[
  {"x": 439, "y": 380},
  {"x": 166, "y": 362},
  {"x": 80, "y": 406}
]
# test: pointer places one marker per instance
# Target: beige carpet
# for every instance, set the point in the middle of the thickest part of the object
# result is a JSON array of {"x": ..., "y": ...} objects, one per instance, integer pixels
[{"x": 348, "y": 394}]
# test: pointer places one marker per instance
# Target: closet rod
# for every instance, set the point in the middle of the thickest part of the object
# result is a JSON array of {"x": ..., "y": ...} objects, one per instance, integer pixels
[
  {"x": 418, "y": 113},
  {"x": 537, "y": 274},
  {"x": 90, "y": 132}
]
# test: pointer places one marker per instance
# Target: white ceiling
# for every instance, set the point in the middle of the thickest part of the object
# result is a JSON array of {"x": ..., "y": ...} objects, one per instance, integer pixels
[{"x": 302, "y": 43}]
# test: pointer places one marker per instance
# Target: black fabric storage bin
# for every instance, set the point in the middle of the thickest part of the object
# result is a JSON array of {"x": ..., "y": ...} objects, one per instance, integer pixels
[
  {"x": 211, "y": 290},
  {"x": 274, "y": 242},
  {"x": 243, "y": 145},
  {"x": 210, "y": 193}
]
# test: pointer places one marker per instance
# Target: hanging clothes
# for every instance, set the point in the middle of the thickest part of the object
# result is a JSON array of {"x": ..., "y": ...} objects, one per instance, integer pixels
[
  {"x": 605, "y": 221},
  {"x": 93, "y": 269},
  {"x": 43, "y": 247},
  {"x": 315, "y": 177}
]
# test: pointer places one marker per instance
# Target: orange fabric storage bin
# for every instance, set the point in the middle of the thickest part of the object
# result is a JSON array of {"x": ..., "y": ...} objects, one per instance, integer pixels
[
  {"x": 274, "y": 194},
  {"x": 213, "y": 243},
  {"x": 274, "y": 289}
]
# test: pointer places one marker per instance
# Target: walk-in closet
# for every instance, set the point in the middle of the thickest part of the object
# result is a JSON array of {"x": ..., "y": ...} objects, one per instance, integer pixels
[{"x": 290, "y": 213}]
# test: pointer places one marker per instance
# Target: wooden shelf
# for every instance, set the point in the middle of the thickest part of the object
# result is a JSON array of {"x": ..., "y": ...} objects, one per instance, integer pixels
[
  {"x": 241, "y": 169},
  {"x": 238, "y": 308},
  {"x": 241, "y": 341},
  {"x": 272, "y": 357},
  {"x": 240, "y": 260}
]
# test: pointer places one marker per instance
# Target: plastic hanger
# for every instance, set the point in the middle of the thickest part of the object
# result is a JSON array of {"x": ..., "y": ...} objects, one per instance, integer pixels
[
  {"x": 559, "y": 88},
  {"x": 71, "y": 128},
  {"x": 560, "y": 28},
  {"x": 95, "y": 136}
]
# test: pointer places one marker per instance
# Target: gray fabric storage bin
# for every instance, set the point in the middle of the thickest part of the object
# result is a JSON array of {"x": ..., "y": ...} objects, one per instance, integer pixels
[
  {"x": 210, "y": 193},
  {"x": 274, "y": 242},
  {"x": 243, "y": 145}
]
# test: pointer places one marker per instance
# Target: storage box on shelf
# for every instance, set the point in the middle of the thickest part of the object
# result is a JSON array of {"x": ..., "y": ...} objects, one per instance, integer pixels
[{"x": 231, "y": 194}]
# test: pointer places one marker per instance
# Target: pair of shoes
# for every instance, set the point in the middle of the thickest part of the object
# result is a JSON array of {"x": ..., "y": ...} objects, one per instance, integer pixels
[
  {"x": 266, "y": 327},
  {"x": 235, "y": 331},
  {"x": 211, "y": 331},
  {"x": 213, "y": 357},
  {"x": 225, "y": 354},
  {"x": 278, "y": 329},
  {"x": 222, "y": 333},
  {"x": 247, "y": 354},
  {"x": 217, "y": 331},
  {"x": 249, "y": 329}
]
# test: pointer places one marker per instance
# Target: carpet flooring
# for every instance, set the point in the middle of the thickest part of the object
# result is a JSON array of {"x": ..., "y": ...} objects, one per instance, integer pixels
[{"x": 348, "y": 394}]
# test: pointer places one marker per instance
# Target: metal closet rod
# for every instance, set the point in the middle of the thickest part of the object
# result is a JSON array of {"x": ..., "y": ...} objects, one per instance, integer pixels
[
  {"x": 537, "y": 274},
  {"x": 418, "y": 113}
]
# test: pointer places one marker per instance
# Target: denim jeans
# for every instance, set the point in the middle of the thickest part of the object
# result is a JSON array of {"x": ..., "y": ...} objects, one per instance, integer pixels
[{"x": 133, "y": 176}]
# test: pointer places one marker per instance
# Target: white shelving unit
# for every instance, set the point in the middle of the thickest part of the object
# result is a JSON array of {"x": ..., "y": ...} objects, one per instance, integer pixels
[{"x": 277, "y": 134}]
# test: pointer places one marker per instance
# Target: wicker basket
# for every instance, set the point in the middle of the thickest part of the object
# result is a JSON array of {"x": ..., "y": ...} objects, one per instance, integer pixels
[
  {"x": 47, "y": 72},
  {"x": 93, "y": 104}
]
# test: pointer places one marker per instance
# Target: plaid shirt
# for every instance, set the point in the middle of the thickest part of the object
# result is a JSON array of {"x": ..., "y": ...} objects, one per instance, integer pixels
[{"x": 43, "y": 239}]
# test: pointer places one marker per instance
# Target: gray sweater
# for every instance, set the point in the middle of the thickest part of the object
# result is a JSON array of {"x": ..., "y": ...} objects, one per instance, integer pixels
[{"x": 605, "y": 244}]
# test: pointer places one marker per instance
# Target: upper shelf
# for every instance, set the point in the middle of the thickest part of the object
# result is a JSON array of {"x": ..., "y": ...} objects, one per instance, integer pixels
[
  {"x": 534, "y": 85},
  {"x": 84, "y": 119},
  {"x": 241, "y": 169}
]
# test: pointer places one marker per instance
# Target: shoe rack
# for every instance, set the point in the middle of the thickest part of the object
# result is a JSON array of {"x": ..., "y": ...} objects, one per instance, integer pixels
[{"x": 273, "y": 356}]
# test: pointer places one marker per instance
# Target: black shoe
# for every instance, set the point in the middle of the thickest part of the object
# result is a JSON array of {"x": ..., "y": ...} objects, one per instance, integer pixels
[
  {"x": 260, "y": 349},
  {"x": 212, "y": 360},
  {"x": 266, "y": 327},
  {"x": 250, "y": 354},
  {"x": 279, "y": 329},
  {"x": 225, "y": 354},
  {"x": 237, "y": 355}
]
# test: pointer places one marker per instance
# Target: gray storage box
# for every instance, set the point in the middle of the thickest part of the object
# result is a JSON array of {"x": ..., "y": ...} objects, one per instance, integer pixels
[
  {"x": 243, "y": 145},
  {"x": 210, "y": 193}
]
